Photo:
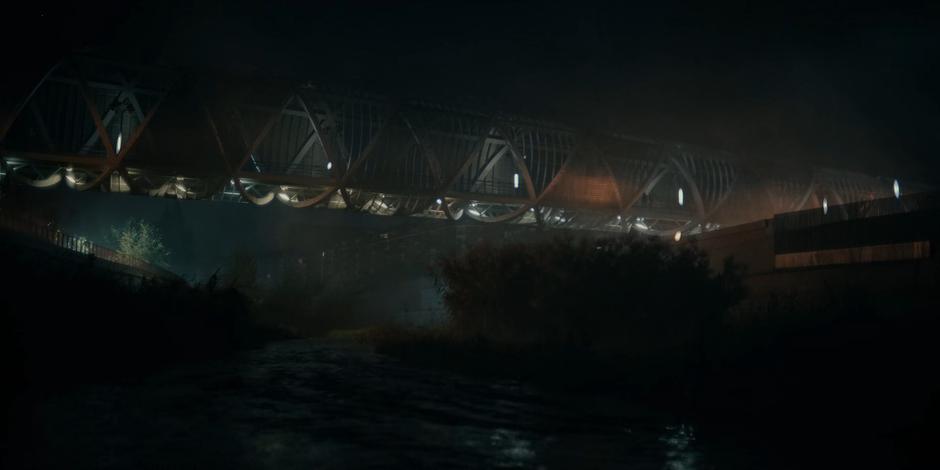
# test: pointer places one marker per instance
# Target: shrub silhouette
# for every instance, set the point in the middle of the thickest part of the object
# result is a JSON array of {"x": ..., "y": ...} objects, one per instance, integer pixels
[{"x": 627, "y": 293}]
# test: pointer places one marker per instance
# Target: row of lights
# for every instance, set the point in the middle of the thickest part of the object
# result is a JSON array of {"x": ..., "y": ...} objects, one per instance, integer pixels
[
  {"x": 895, "y": 187},
  {"x": 681, "y": 199},
  {"x": 680, "y": 195}
]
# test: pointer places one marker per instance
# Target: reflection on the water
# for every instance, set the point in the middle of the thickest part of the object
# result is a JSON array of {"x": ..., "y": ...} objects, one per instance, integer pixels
[
  {"x": 680, "y": 454},
  {"x": 302, "y": 404},
  {"x": 515, "y": 451}
]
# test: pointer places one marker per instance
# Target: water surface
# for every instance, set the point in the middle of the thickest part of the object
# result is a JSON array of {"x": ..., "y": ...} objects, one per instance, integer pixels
[{"x": 310, "y": 404}]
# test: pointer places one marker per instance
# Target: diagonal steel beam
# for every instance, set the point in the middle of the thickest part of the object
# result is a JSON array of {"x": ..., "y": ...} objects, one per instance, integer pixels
[
  {"x": 468, "y": 160},
  {"x": 262, "y": 133},
  {"x": 490, "y": 164},
  {"x": 95, "y": 116},
  {"x": 519, "y": 161},
  {"x": 426, "y": 151},
  {"x": 43, "y": 130},
  {"x": 308, "y": 143},
  {"x": 8, "y": 123},
  {"x": 106, "y": 120}
]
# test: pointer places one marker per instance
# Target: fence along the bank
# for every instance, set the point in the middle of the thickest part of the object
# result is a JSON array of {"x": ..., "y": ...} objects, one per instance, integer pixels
[{"x": 18, "y": 224}]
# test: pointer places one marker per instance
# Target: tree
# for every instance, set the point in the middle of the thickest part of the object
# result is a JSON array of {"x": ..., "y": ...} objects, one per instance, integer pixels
[{"x": 140, "y": 240}]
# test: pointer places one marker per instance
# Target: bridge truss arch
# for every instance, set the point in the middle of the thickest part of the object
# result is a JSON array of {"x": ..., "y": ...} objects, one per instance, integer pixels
[{"x": 98, "y": 124}]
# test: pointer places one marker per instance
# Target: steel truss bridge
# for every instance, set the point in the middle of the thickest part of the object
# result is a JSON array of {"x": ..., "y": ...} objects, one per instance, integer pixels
[{"x": 95, "y": 124}]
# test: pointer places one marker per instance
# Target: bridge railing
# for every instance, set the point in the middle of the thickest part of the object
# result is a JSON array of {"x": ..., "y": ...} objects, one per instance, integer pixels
[{"x": 18, "y": 224}]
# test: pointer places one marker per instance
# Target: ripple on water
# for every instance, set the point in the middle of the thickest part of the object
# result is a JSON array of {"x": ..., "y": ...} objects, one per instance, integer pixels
[{"x": 303, "y": 404}]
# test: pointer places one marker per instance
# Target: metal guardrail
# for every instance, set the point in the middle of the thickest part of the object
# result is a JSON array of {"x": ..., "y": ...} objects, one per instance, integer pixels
[{"x": 58, "y": 238}]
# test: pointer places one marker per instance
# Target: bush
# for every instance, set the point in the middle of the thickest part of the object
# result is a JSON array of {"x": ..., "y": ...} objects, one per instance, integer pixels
[
  {"x": 141, "y": 240},
  {"x": 626, "y": 293}
]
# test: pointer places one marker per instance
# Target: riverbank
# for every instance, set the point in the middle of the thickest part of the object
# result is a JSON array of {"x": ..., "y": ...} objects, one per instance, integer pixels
[
  {"x": 73, "y": 324},
  {"x": 75, "y": 321}
]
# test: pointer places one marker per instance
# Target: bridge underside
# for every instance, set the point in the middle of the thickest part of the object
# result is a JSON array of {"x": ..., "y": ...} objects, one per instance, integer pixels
[{"x": 95, "y": 124}]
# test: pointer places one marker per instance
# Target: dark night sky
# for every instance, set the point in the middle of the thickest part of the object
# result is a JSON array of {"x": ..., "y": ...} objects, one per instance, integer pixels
[{"x": 835, "y": 83}]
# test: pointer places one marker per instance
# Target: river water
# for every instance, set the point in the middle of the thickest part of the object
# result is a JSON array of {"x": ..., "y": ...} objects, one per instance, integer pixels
[{"x": 309, "y": 404}]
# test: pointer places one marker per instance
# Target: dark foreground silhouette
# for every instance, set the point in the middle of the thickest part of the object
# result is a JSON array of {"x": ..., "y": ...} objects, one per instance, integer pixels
[
  {"x": 570, "y": 356},
  {"x": 66, "y": 321},
  {"x": 834, "y": 377}
]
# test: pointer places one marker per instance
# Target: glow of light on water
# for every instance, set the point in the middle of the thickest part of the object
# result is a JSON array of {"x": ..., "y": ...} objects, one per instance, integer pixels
[
  {"x": 825, "y": 206},
  {"x": 678, "y": 441},
  {"x": 897, "y": 189},
  {"x": 516, "y": 450},
  {"x": 681, "y": 197}
]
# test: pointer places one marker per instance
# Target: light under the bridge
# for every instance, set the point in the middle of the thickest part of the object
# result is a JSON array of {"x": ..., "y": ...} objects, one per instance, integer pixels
[
  {"x": 825, "y": 205},
  {"x": 677, "y": 236},
  {"x": 585, "y": 189}
]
